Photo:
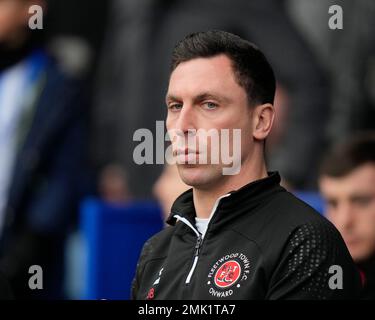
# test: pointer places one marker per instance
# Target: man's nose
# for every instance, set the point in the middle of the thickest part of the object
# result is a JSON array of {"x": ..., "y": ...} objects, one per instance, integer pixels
[
  {"x": 345, "y": 216},
  {"x": 186, "y": 120}
]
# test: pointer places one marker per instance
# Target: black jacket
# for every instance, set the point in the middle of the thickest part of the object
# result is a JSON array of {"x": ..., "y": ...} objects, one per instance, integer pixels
[
  {"x": 367, "y": 270},
  {"x": 261, "y": 243}
]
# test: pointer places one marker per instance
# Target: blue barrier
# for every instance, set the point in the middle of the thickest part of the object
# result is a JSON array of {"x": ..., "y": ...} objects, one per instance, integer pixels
[{"x": 113, "y": 237}]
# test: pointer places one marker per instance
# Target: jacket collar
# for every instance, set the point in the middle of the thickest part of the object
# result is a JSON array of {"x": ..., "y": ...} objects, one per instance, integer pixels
[{"x": 238, "y": 202}]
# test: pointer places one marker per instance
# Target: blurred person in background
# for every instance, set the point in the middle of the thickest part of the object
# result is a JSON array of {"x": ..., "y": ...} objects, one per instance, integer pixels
[
  {"x": 42, "y": 146},
  {"x": 113, "y": 185},
  {"x": 347, "y": 182}
]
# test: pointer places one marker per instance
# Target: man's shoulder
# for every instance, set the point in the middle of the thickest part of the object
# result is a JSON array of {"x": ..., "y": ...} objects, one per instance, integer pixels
[
  {"x": 299, "y": 244},
  {"x": 156, "y": 247},
  {"x": 309, "y": 247},
  {"x": 290, "y": 212},
  {"x": 283, "y": 215}
]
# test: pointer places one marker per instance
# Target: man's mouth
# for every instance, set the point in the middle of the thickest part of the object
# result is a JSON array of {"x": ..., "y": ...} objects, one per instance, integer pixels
[
  {"x": 185, "y": 151},
  {"x": 186, "y": 156}
]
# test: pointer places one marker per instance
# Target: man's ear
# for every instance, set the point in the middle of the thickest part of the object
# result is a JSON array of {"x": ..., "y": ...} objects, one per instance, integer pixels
[{"x": 263, "y": 117}]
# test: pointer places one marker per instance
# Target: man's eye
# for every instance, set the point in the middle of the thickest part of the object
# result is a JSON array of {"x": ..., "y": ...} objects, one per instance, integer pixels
[
  {"x": 175, "y": 106},
  {"x": 363, "y": 201},
  {"x": 210, "y": 105},
  {"x": 331, "y": 203}
]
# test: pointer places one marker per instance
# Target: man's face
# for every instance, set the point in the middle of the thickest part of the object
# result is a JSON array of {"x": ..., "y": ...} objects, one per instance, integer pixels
[
  {"x": 203, "y": 94},
  {"x": 351, "y": 208}
]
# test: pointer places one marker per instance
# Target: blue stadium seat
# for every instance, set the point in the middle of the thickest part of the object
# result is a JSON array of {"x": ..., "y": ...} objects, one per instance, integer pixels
[{"x": 113, "y": 237}]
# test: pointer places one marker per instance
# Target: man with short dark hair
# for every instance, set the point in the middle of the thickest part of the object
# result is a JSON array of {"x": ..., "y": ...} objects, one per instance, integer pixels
[
  {"x": 347, "y": 182},
  {"x": 238, "y": 235}
]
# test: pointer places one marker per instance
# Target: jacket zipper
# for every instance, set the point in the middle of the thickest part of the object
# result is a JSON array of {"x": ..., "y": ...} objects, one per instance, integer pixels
[
  {"x": 199, "y": 242},
  {"x": 198, "y": 245},
  {"x": 195, "y": 261}
]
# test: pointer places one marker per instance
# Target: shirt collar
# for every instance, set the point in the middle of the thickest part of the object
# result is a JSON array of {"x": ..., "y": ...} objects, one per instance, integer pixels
[{"x": 238, "y": 201}]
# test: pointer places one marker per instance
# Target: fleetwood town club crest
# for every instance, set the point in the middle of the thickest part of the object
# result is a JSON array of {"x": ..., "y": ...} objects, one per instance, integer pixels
[{"x": 227, "y": 274}]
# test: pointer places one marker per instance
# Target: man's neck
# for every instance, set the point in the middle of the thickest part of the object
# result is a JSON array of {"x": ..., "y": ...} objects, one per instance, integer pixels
[{"x": 204, "y": 199}]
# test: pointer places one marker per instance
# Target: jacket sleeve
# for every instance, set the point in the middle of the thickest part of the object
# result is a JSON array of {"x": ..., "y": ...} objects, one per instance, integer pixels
[
  {"x": 5, "y": 289},
  {"x": 315, "y": 265},
  {"x": 139, "y": 270}
]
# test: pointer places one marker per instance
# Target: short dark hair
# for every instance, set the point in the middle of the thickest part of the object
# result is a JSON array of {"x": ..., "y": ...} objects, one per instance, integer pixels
[
  {"x": 251, "y": 68},
  {"x": 348, "y": 156}
]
